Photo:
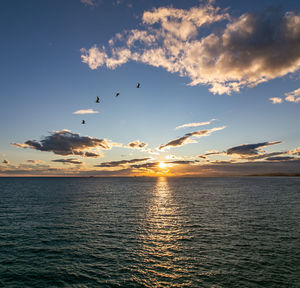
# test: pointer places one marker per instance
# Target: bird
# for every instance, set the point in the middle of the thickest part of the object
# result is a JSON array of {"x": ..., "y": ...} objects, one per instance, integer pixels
[
  {"x": 97, "y": 99},
  {"x": 138, "y": 85},
  {"x": 83, "y": 122},
  {"x": 117, "y": 94}
]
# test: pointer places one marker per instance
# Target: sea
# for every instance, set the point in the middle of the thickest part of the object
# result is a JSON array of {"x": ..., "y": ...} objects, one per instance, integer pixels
[{"x": 150, "y": 232}]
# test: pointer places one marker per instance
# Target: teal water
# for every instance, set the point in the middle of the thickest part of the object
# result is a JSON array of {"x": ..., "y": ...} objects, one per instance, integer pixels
[{"x": 150, "y": 232}]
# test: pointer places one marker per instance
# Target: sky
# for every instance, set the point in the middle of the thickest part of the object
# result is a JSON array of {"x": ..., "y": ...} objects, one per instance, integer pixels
[{"x": 219, "y": 88}]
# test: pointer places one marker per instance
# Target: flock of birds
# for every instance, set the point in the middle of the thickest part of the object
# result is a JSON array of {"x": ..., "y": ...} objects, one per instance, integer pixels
[{"x": 138, "y": 85}]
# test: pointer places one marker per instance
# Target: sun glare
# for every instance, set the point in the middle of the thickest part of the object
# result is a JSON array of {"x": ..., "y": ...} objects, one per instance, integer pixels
[{"x": 162, "y": 165}]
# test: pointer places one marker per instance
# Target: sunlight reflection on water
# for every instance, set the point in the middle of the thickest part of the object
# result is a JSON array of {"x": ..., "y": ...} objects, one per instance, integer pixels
[
  {"x": 160, "y": 245},
  {"x": 149, "y": 232}
]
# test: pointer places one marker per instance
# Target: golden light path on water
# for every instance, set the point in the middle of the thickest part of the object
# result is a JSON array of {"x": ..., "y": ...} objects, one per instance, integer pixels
[{"x": 161, "y": 240}]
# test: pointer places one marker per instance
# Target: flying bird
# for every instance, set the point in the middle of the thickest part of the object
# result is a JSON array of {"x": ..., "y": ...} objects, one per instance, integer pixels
[
  {"x": 97, "y": 99},
  {"x": 117, "y": 94},
  {"x": 83, "y": 122},
  {"x": 138, "y": 85}
]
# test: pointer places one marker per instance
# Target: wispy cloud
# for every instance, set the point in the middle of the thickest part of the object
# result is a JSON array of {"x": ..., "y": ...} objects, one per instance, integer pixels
[
  {"x": 251, "y": 49},
  {"x": 293, "y": 96},
  {"x": 250, "y": 149},
  {"x": 121, "y": 162},
  {"x": 35, "y": 161},
  {"x": 64, "y": 142},
  {"x": 68, "y": 161},
  {"x": 86, "y": 111},
  {"x": 194, "y": 124},
  {"x": 187, "y": 138},
  {"x": 280, "y": 158},
  {"x": 88, "y": 2},
  {"x": 275, "y": 100}
]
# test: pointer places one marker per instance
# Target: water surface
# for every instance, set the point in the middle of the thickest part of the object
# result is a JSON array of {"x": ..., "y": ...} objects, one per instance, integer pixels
[{"x": 150, "y": 232}]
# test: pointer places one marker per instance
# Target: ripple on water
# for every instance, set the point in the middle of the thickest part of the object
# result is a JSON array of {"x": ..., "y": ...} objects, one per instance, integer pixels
[{"x": 123, "y": 232}]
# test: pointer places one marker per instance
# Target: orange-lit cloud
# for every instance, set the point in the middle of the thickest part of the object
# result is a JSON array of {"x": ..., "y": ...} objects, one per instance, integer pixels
[
  {"x": 293, "y": 96},
  {"x": 86, "y": 111},
  {"x": 276, "y": 100},
  {"x": 187, "y": 138}
]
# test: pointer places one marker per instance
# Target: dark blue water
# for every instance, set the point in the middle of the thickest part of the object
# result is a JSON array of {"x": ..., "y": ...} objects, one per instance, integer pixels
[{"x": 150, "y": 232}]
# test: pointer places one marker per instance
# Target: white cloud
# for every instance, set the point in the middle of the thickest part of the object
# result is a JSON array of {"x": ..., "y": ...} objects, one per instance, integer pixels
[
  {"x": 251, "y": 49},
  {"x": 86, "y": 111},
  {"x": 88, "y": 2},
  {"x": 276, "y": 100},
  {"x": 194, "y": 124},
  {"x": 293, "y": 96}
]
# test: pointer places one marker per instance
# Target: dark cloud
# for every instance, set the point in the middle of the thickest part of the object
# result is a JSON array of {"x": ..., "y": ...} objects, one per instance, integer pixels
[
  {"x": 186, "y": 138},
  {"x": 183, "y": 162},
  {"x": 68, "y": 161},
  {"x": 66, "y": 143},
  {"x": 121, "y": 162},
  {"x": 136, "y": 145},
  {"x": 265, "y": 155},
  {"x": 145, "y": 165},
  {"x": 249, "y": 149},
  {"x": 209, "y": 153},
  {"x": 281, "y": 158}
]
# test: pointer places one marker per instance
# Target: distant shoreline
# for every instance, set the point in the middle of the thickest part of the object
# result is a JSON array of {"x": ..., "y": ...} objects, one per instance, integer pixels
[{"x": 141, "y": 177}]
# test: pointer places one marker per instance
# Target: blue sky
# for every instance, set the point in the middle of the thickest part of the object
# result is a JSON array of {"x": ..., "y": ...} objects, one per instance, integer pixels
[{"x": 48, "y": 72}]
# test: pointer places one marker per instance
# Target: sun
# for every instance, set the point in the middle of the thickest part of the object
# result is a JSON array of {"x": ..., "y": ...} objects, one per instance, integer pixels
[{"x": 162, "y": 165}]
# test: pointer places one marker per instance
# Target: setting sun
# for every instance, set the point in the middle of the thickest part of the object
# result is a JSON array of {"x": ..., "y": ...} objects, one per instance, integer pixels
[{"x": 162, "y": 165}]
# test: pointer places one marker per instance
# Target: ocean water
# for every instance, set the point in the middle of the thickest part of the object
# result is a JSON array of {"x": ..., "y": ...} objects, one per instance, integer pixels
[{"x": 150, "y": 232}]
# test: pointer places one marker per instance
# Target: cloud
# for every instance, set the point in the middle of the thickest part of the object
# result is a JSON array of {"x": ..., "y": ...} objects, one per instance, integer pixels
[
  {"x": 194, "y": 124},
  {"x": 293, "y": 96},
  {"x": 88, "y": 2},
  {"x": 250, "y": 49},
  {"x": 5, "y": 161},
  {"x": 86, "y": 111},
  {"x": 183, "y": 162},
  {"x": 137, "y": 145},
  {"x": 281, "y": 158},
  {"x": 145, "y": 165},
  {"x": 34, "y": 161},
  {"x": 121, "y": 162},
  {"x": 264, "y": 155},
  {"x": 295, "y": 151},
  {"x": 276, "y": 100},
  {"x": 68, "y": 161},
  {"x": 249, "y": 149},
  {"x": 211, "y": 152},
  {"x": 142, "y": 146},
  {"x": 65, "y": 143},
  {"x": 187, "y": 138}
]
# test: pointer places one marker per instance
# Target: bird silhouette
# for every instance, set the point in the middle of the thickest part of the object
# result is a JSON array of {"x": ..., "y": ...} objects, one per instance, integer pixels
[
  {"x": 117, "y": 94},
  {"x": 138, "y": 85},
  {"x": 83, "y": 122},
  {"x": 97, "y": 99}
]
